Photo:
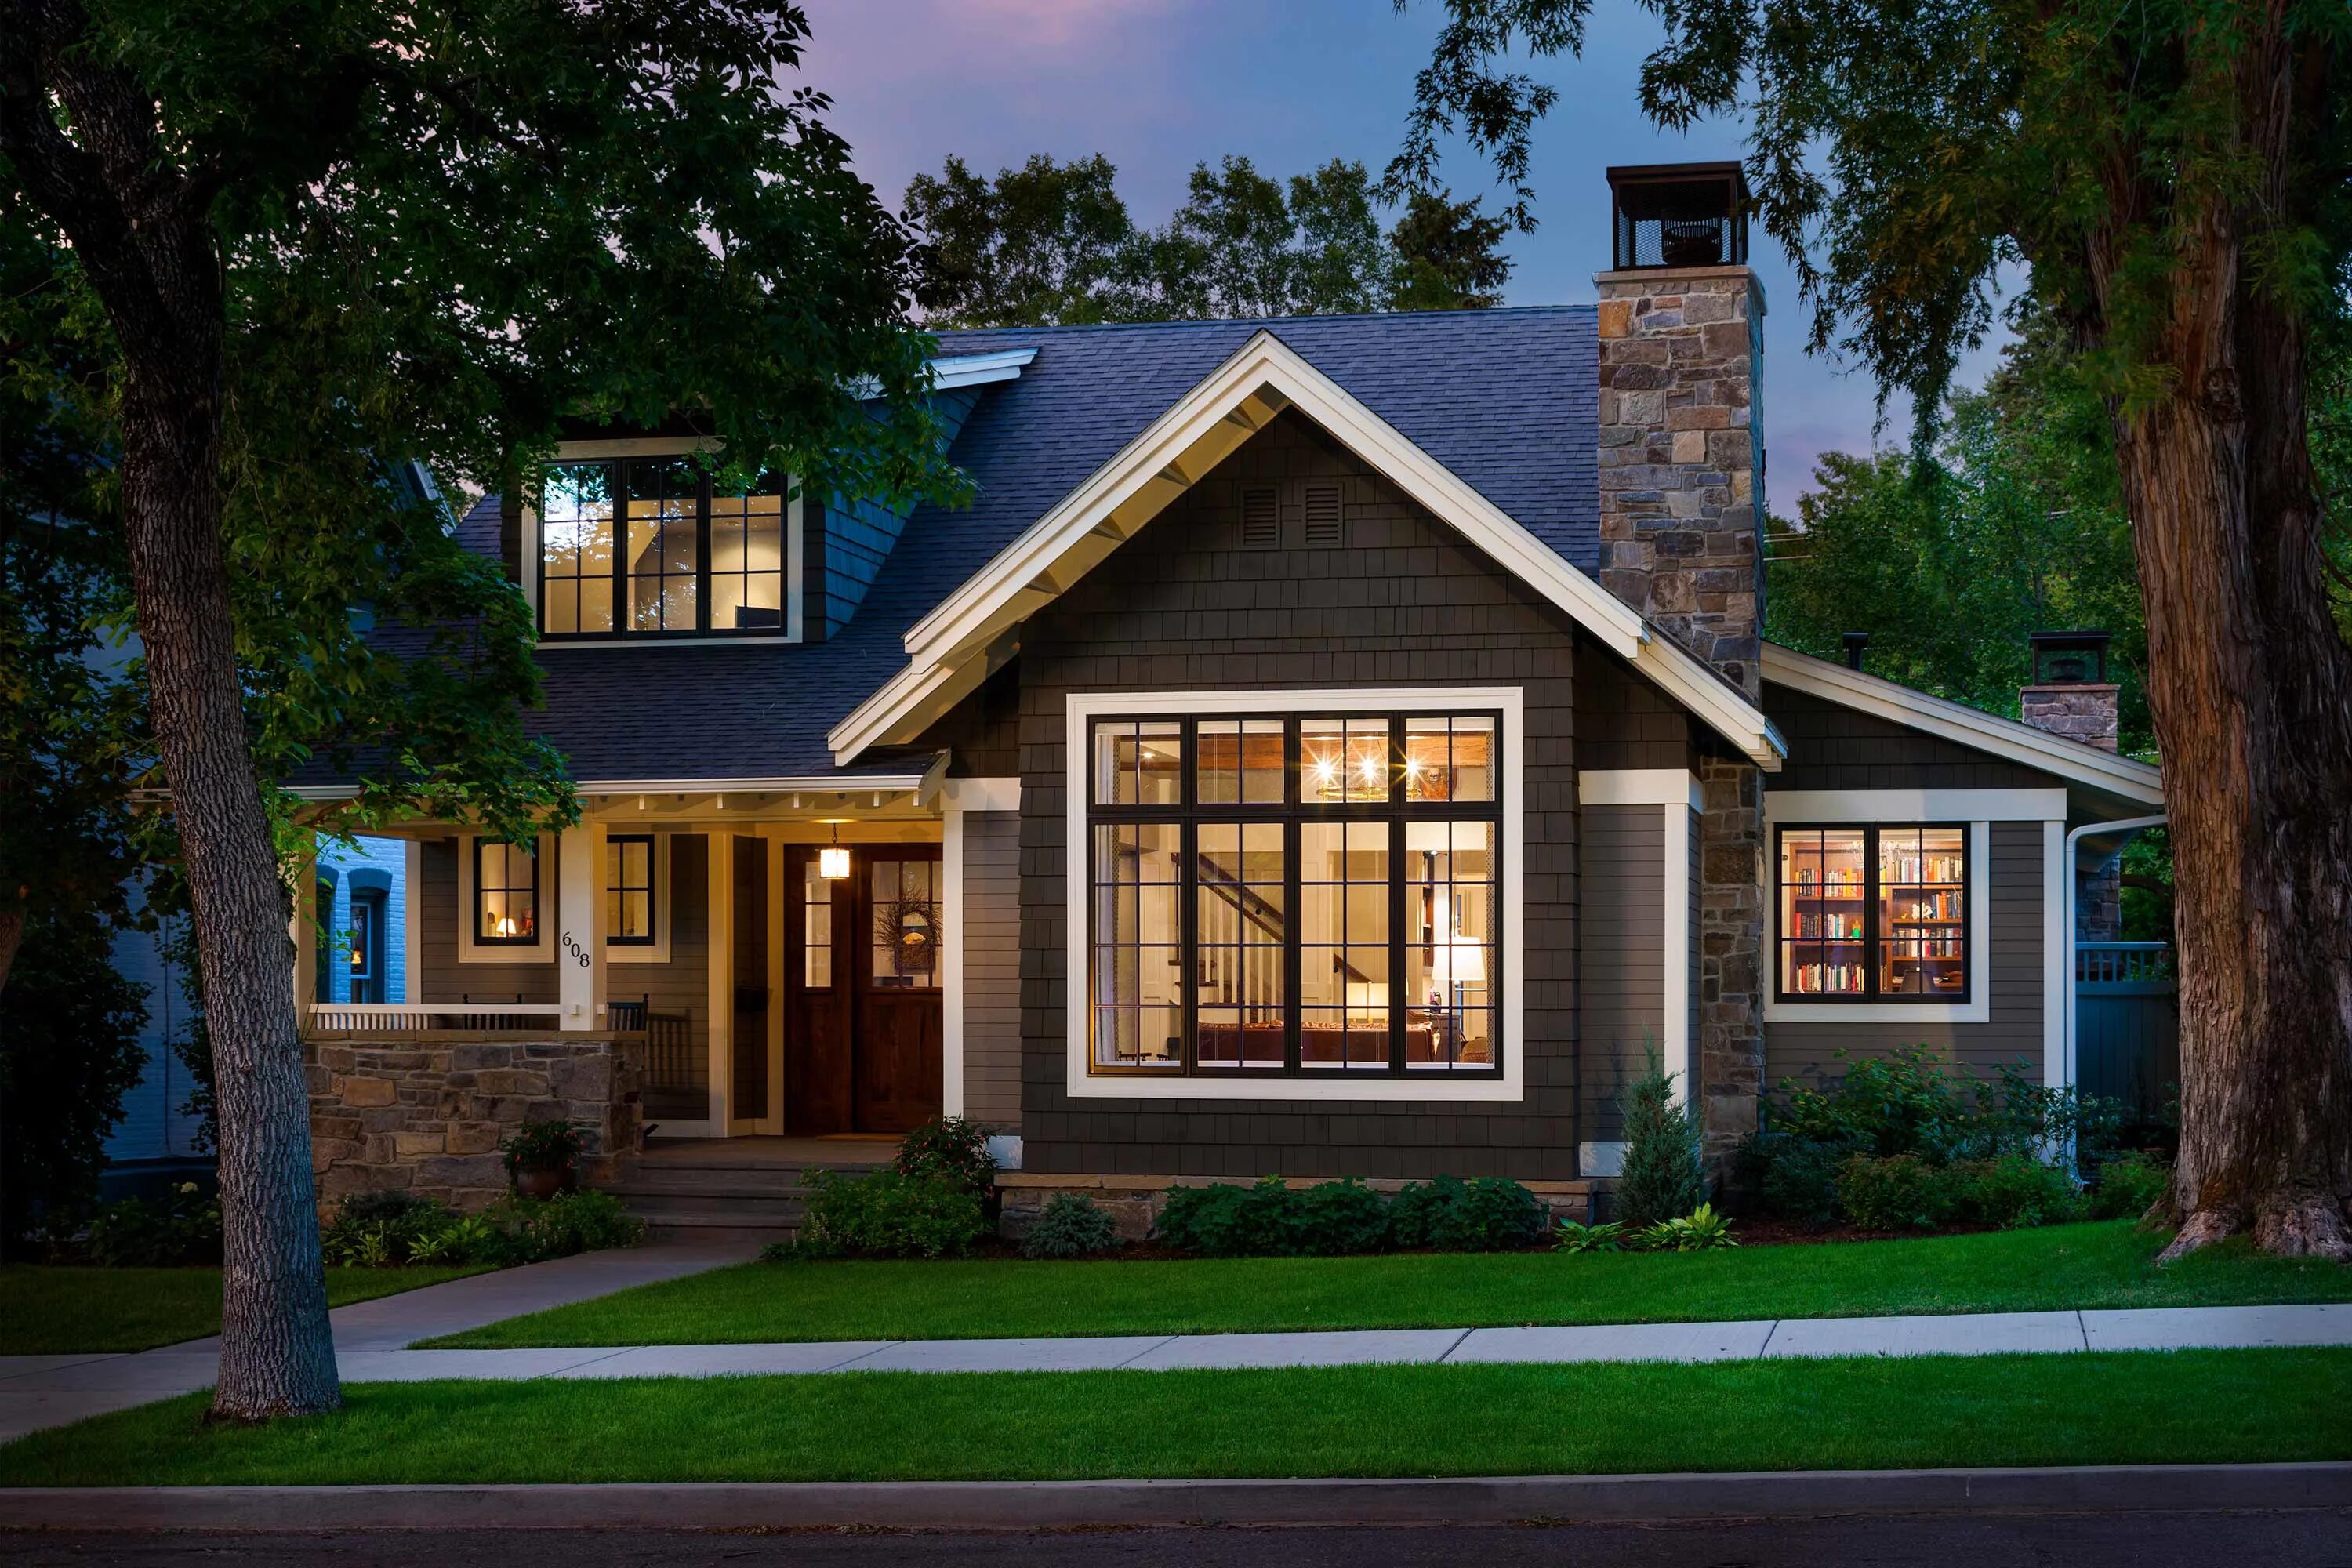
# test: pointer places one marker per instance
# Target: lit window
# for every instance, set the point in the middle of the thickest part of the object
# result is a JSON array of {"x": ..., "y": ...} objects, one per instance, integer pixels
[
  {"x": 506, "y": 893},
  {"x": 1873, "y": 912},
  {"x": 1308, "y": 896},
  {"x": 649, "y": 547}
]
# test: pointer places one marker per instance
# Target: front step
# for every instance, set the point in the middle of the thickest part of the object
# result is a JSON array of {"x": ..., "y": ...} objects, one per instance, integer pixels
[{"x": 729, "y": 1191}]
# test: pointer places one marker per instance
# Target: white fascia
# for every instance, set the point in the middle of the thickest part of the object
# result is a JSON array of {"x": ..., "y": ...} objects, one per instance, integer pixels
[
  {"x": 2021, "y": 744},
  {"x": 950, "y": 372},
  {"x": 1230, "y": 404}
]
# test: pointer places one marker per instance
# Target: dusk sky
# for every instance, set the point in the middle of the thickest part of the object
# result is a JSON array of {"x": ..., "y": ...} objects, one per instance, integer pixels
[{"x": 1160, "y": 85}]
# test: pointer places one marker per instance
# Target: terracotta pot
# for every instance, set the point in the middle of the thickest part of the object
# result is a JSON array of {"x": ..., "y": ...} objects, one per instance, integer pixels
[{"x": 537, "y": 1183}]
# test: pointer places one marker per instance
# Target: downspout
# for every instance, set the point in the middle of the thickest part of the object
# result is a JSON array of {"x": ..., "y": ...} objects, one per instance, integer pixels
[{"x": 2128, "y": 825}]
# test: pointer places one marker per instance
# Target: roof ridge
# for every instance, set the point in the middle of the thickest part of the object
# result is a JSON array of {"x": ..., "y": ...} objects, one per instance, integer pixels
[{"x": 1206, "y": 322}]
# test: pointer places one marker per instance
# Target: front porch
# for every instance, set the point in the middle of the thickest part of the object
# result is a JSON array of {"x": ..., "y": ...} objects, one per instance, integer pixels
[{"x": 773, "y": 963}]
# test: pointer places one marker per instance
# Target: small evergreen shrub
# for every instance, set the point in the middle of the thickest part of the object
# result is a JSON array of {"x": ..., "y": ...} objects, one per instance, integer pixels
[
  {"x": 1661, "y": 1176},
  {"x": 2129, "y": 1186},
  {"x": 1898, "y": 1191},
  {"x": 1486, "y": 1214},
  {"x": 1226, "y": 1221},
  {"x": 885, "y": 1214},
  {"x": 1070, "y": 1226},
  {"x": 2017, "y": 1191},
  {"x": 948, "y": 1149}
]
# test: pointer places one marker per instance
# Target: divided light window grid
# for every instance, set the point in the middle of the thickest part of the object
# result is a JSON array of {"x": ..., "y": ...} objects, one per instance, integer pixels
[
  {"x": 647, "y": 547},
  {"x": 506, "y": 893},
  {"x": 1873, "y": 913},
  {"x": 629, "y": 889},
  {"x": 1294, "y": 896}
]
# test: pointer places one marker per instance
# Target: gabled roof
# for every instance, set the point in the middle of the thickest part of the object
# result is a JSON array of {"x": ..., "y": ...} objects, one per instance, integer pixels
[
  {"x": 2136, "y": 781},
  {"x": 953, "y": 646}
]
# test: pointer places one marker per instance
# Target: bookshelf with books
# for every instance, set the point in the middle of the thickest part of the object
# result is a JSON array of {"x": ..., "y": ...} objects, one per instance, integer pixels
[{"x": 1872, "y": 911}]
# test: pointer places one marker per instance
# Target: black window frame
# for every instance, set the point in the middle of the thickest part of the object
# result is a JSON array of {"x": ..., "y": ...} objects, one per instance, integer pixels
[
  {"x": 1190, "y": 813},
  {"x": 652, "y": 888},
  {"x": 1872, "y": 894},
  {"x": 530, "y": 938},
  {"x": 704, "y": 575}
]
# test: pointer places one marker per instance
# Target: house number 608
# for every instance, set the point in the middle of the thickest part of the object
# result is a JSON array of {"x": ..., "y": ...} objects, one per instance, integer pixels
[{"x": 578, "y": 953}]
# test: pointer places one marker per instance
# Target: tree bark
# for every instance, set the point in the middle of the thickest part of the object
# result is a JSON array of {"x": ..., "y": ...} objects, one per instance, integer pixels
[
  {"x": 141, "y": 232},
  {"x": 2250, "y": 688}
]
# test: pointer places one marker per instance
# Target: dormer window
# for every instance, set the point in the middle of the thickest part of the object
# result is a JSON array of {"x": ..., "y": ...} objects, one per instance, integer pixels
[{"x": 633, "y": 547}]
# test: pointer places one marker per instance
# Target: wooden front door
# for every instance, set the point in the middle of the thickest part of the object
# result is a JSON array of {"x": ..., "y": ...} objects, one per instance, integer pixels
[{"x": 862, "y": 1022}]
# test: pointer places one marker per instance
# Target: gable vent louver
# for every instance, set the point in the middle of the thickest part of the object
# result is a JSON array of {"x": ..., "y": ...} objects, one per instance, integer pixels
[
  {"x": 1323, "y": 517},
  {"x": 1261, "y": 520}
]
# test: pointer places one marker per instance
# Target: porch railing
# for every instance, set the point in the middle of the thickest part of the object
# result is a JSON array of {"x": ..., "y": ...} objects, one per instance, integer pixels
[
  {"x": 2123, "y": 963},
  {"x": 2127, "y": 1023}
]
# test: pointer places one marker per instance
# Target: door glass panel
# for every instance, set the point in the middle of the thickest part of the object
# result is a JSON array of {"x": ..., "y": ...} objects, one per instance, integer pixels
[
  {"x": 906, "y": 929},
  {"x": 816, "y": 927}
]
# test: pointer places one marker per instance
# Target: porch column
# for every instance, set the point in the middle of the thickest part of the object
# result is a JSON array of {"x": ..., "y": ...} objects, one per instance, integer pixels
[{"x": 580, "y": 926}]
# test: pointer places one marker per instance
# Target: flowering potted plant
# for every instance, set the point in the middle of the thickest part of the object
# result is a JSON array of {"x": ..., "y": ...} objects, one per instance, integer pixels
[{"x": 541, "y": 1157}]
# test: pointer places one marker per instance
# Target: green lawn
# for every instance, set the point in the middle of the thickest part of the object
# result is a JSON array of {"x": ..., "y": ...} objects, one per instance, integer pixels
[
  {"x": 2107, "y": 1265},
  {"x": 2148, "y": 1408},
  {"x": 62, "y": 1310}
]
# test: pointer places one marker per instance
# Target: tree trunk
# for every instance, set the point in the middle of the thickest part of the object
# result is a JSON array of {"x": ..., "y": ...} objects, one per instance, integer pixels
[
  {"x": 2252, "y": 693},
  {"x": 141, "y": 232}
]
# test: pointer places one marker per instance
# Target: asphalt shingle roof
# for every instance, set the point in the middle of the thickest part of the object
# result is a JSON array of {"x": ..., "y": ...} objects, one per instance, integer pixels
[{"x": 1507, "y": 400}]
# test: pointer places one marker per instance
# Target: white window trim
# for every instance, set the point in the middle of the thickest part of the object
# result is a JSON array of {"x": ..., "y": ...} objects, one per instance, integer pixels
[
  {"x": 539, "y": 951},
  {"x": 795, "y": 555},
  {"x": 658, "y": 951},
  {"x": 1978, "y": 809},
  {"x": 1081, "y": 708},
  {"x": 1677, "y": 792}
]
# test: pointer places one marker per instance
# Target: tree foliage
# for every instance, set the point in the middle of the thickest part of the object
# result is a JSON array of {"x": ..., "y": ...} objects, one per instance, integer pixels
[
  {"x": 1052, "y": 243},
  {"x": 69, "y": 1051}
]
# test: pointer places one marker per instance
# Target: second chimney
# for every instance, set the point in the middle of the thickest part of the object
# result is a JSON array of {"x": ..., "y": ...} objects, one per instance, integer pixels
[{"x": 2071, "y": 694}]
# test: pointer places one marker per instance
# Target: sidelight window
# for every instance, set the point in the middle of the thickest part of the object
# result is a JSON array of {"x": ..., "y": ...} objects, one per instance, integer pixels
[{"x": 1307, "y": 896}]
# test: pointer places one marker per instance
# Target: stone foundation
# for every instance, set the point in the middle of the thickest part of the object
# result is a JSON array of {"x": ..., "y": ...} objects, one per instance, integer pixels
[
  {"x": 423, "y": 1113},
  {"x": 1134, "y": 1203}
]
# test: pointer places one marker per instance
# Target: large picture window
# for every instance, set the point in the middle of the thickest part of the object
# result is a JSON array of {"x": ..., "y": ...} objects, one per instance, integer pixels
[
  {"x": 1308, "y": 896},
  {"x": 1873, "y": 913},
  {"x": 649, "y": 547}
]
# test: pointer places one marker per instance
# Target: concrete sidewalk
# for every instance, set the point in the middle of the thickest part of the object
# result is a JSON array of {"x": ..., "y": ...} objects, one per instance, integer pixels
[
  {"x": 52, "y": 1390},
  {"x": 61, "y": 1388}
]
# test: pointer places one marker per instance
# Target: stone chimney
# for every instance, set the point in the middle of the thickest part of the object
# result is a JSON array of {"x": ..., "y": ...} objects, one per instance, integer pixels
[
  {"x": 1682, "y": 443},
  {"x": 2071, "y": 694},
  {"x": 1682, "y": 475}
]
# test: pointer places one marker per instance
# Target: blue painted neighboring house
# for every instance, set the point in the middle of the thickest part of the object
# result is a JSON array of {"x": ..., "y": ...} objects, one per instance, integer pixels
[{"x": 363, "y": 905}]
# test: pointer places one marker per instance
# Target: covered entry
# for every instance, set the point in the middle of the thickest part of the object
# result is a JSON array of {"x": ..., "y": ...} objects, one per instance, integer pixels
[{"x": 862, "y": 998}]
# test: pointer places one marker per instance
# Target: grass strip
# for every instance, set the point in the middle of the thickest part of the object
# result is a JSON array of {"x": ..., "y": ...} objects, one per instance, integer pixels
[
  {"x": 2061, "y": 1267},
  {"x": 2182, "y": 1406},
  {"x": 69, "y": 1310}
]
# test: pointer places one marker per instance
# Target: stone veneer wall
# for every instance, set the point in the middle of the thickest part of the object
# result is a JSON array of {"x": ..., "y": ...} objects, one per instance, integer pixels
[
  {"x": 1682, "y": 475},
  {"x": 2091, "y": 715},
  {"x": 423, "y": 1113}
]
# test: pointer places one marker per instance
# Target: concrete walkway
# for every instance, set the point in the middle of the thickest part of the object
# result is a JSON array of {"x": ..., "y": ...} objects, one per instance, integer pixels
[
  {"x": 44, "y": 1391},
  {"x": 41, "y": 1391}
]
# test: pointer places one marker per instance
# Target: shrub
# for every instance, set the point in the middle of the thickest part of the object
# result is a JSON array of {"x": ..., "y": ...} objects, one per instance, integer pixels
[
  {"x": 1701, "y": 1230},
  {"x": 1226, "y": 1221},
  {"x": 1904, "y": 1102},
  {"x": 1798, "y": 1177},
  {"x": 2129, "y": 1186},
  {"x": 1661, "y": 1176},
  {"x": 1338, "y": 1219},
  {"x": 1898, "y": 1191},
  {"x": 543, "y": 1146},
  {"x": 375, "y": 1230},
  {"x": 887, "y": 1215},
  {"x": 948, "y": 1149},
  {"x": 185, "y": 1228},
  {"x": 1487, "y": 1214},
  {"x": 2016, "y": 1191},
  {"x": 1071, "y": 1226},
  {"x": 1607, "y": 1237},
  {"x": 531, "y": 1230}
]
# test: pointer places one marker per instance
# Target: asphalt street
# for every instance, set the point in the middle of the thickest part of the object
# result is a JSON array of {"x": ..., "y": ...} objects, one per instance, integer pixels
[{"x": 2031, "y": 1540}]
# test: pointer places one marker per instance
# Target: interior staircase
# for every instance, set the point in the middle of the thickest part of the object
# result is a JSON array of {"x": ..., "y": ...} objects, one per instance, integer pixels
[{"x": 735, "y": 1189}]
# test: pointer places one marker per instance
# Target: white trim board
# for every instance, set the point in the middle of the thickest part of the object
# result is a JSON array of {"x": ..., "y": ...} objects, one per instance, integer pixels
[
  {"x": 1639, "y": 786},
  {"x": 1081, "y": 1084},
  {"x": 1835, "y": 806},
  {"x": 950, "y": 372},
  {"x": 1258, "y": 381},
  {"x": 2006, "y": 738}
]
